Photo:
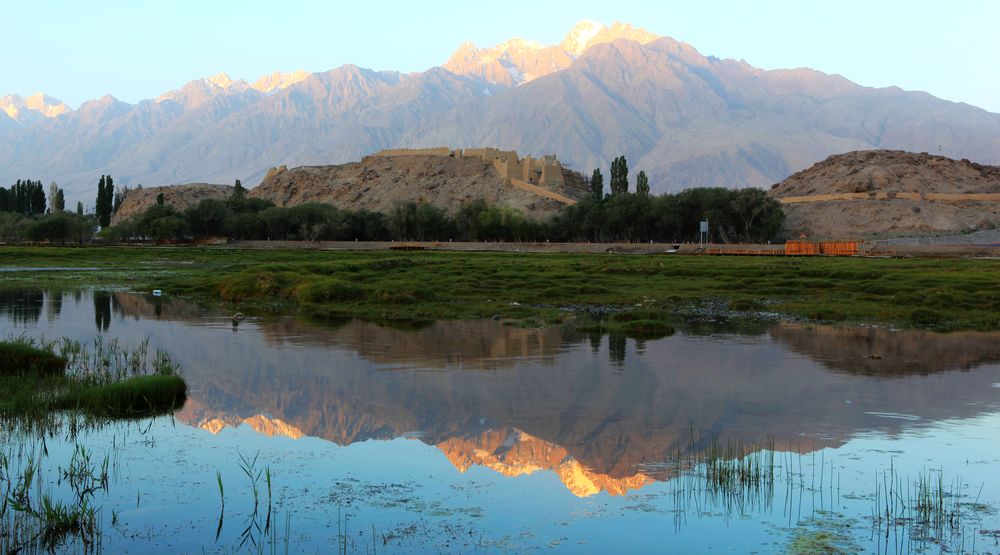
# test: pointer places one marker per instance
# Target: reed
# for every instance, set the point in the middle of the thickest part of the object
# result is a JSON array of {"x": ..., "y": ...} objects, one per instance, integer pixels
[
  {"x": 100, "y": 382},
  {"x": 32, "y": 518}
]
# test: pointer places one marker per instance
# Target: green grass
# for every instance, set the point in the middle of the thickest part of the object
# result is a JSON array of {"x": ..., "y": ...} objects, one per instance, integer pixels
[
  {"x": 134, "y": 397},
  {"x": 17, "y": 357},
  {"x": 943, "y": 294},
  {"x": 128, "y": 385}
]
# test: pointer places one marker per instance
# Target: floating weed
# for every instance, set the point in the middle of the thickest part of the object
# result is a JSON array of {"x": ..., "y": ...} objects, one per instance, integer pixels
[{"x": 827, "y": 534}]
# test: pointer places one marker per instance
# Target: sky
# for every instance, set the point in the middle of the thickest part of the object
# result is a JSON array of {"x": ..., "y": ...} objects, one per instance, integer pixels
[{"x": 76, "y": 51}]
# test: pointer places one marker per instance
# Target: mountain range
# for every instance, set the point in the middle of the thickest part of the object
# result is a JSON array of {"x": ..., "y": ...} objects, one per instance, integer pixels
[{"x": 687, "y": 119}]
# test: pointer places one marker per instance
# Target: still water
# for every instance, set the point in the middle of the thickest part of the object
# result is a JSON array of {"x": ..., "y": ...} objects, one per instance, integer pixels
[{"x": 472, "y": 436}]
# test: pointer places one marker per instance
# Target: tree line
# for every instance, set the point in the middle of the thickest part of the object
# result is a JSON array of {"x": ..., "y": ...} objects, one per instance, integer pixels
[
  {"x": 24, "y": 197},
  {"x": 28, "y": 214},
  {"x": 618, "y": 214},
  {"x": 741, "y": 215}
]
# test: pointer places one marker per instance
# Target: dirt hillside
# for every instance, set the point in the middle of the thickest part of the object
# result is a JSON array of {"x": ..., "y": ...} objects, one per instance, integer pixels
[
  {"x": 879, "y": 193},
  {"x": 180, "y": 197},
  {"x": 379, "y": 183}
]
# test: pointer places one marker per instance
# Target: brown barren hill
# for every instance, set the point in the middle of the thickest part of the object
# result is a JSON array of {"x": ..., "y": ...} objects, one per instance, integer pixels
[
  {"x": 877, "y": 193},
  {"x": 180, "y": 197},
  {"x": 439, "y": 176}
]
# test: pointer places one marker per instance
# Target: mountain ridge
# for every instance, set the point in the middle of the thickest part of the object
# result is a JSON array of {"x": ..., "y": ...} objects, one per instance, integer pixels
[{"x": 686, "y": 118}]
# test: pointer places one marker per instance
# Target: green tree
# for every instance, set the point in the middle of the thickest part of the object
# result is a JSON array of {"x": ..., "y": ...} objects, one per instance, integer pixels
[
  {"x": 60, "y": 201},
  {"x": 209, "y": 218},
  {"x": 238, "y": 190},
  {"x": 79, "y": 208},
  {"x": 159, "y": 199},
  {"x": 105, "y": 200},
  {"x": 60, "y": 228},
  {"x": 597, "y": 184},
  {"x": 467, "y": 220},
  {"x": 619, "y": 176},
  {"x": 642, "y": 184},
  {"x": 759, "y": 216}
]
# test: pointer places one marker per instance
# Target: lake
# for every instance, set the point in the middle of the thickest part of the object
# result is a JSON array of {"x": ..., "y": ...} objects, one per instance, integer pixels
[{"x": 475, "y": 436}]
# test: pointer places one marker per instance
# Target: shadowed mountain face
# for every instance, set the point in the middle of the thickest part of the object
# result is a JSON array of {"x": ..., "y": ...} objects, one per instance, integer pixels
[
  {"x": 604, "y": 414},
  {"x": 687, "y": 119}
]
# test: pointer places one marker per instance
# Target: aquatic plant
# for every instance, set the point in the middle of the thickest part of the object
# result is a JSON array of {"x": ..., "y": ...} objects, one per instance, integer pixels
[
  {"x": 32, "y": 517},
  {"x": 259, "y": 535},
  {"x": 106, "y": 380},
  {"x": 929, "y": 507}
]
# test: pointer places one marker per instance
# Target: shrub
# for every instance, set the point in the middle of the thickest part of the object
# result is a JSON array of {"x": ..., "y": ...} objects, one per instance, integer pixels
[
  {"x": 646, "y": 329},
  {"x": 394, "y": 294},
  {"x": 328, "y": 290},
  {"x": 925, "y": 317},
  {"x": 646, "y": 314}
]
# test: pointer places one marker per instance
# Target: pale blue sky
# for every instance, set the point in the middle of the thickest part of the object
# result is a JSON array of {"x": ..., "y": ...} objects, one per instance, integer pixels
[{"x": 134, "y": 49}]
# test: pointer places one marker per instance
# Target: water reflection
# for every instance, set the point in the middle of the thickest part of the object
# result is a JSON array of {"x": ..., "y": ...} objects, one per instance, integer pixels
[
  {"x": 21, "y": 307},
  {"x": 887, "y": 352},
  {"x": 102, "y": 309},
  {"x": 601, "y": 413}
]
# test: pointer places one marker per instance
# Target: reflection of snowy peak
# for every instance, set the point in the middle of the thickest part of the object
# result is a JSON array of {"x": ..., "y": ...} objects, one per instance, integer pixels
[
  {"x": 513, "y": 452},
  {"x": 519, "y": 61},
  {"x": 261, "y": 424}
]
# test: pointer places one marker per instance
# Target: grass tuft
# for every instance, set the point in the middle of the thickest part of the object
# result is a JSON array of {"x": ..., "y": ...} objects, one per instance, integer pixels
[{"x": 20, "y": 356}]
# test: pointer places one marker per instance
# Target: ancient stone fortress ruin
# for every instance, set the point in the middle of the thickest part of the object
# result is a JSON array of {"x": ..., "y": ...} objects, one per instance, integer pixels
[{"x": 543, "y": 172}]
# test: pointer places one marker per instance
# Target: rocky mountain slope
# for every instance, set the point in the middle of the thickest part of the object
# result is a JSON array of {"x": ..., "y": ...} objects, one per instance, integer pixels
[
  {"x": 686, "y": 118},
  {"x": 881, "y": 192}
]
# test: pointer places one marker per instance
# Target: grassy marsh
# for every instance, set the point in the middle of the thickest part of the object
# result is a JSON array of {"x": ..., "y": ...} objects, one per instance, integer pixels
[{"x": 924, "y": 293}]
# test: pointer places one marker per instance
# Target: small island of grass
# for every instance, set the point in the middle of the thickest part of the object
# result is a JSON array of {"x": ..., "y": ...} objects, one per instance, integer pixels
[{"x": 107, "y": 382}]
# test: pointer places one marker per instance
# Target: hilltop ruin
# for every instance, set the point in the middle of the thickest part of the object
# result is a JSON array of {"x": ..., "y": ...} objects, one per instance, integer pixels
[
  {"x": 444, "y": 177},
  {"x": 544, "y": 171}
]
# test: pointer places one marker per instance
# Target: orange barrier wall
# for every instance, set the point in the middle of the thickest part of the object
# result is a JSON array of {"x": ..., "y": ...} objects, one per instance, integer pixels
[
  {"x": 830, "y": 248},
  {"x": 801, "y": 248},
  {"x": 839, "y": 248}
]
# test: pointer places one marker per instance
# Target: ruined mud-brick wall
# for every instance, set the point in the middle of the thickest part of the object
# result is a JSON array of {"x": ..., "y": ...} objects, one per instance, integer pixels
[
  {"x": 437, "y": 151},
  {"x": 546, "y": 171}
]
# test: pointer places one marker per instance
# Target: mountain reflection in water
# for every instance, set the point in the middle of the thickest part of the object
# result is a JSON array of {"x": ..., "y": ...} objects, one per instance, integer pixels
[{"x": 601, "y": 413}]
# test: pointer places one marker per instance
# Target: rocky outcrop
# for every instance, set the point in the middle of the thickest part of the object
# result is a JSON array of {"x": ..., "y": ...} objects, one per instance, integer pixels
[
  {"x": 878, "y": 193},
  {"x": 180, "y": 197},
  {"x": 439, "y": 176}
]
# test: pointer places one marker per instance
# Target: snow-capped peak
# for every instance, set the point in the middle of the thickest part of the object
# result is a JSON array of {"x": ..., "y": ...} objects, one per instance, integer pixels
[
  {"x": 220, "y": 80},
  {"x": 580, "y": 35},
  {"x": 27, "y": 109},
  {"x": 278, "y": 81}
]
